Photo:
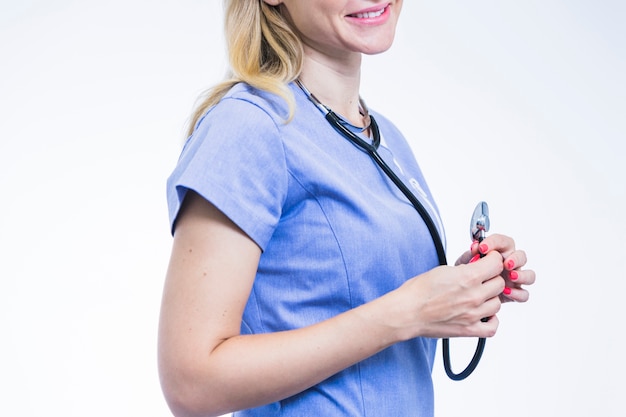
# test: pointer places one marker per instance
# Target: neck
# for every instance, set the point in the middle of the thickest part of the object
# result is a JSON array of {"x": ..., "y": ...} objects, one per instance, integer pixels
[{"x": 336, "y": 84}]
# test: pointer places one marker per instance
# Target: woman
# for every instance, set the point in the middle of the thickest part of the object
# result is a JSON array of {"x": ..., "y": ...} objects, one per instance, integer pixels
[{"x": 302, "y": 282}]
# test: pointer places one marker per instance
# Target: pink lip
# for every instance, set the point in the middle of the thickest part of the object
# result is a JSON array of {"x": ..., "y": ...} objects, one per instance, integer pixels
[{"x": 371, "y": 20}]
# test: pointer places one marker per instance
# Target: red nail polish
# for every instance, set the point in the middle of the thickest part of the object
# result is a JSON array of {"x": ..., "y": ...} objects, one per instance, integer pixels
[
  {"x": 475, "y": 258},
  {"x": 483, "y": 248},
  {"x": 513, "y": 275},
  {"x": 507, "y": 291},
  {"x": 510, "y": 264}
]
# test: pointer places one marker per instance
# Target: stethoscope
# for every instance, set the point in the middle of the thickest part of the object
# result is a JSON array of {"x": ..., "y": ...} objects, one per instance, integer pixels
[{"x": 479, "y": 223}]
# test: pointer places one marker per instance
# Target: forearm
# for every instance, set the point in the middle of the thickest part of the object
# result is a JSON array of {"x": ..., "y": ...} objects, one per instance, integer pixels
[
  {"x": 207, "y": 368},
  {"x": 251, "y": 370}
]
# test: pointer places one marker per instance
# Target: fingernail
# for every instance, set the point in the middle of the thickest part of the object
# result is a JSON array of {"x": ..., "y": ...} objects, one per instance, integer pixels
[
  {"x": 507, "y": 291},
  {"x": 474, "y": 245},
  {"x": 475, "y": 258},
  {"x": 483, "y": 248},
  {"x": 510, "y": 264},
  {"x": 513, "y": 275}
]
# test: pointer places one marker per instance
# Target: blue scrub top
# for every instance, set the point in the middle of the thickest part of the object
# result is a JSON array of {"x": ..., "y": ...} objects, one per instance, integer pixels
[{"x": 334, "y": 230}]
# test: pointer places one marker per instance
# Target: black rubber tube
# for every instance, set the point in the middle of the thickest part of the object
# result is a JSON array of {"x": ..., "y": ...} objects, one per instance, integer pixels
[{"x": 432, "y": 228}]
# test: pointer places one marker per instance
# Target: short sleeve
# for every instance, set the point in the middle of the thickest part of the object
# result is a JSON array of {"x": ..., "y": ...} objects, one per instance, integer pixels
[{"x": 235, "y": 160}]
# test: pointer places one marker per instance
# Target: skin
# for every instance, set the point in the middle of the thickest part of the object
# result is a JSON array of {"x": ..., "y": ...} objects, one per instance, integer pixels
[
  {"x": 208, "y": 369},
  {"x": 334, "y": 43}
]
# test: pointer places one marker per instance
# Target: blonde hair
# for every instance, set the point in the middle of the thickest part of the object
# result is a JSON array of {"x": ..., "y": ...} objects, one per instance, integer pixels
[{"x": 263, "y": 50}]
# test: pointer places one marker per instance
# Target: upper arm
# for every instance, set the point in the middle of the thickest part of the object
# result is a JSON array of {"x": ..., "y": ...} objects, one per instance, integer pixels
[{"x": 211, "y": 272}]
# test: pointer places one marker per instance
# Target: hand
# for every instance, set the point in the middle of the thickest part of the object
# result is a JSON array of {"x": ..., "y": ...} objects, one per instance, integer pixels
[
  {"x": 512, "y": 261},
  {"x": 450, "y": 301}
]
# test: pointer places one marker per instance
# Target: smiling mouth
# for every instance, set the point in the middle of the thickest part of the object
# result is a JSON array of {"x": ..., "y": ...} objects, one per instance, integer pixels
[{"x": 369, "y": 15}]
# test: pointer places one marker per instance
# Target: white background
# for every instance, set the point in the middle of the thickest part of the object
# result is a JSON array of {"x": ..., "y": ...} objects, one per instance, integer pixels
[{"x": 518, "y": 103}]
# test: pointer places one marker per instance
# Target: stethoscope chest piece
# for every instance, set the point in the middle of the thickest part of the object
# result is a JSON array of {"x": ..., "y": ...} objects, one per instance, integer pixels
[{"x": 479, "y": 224}]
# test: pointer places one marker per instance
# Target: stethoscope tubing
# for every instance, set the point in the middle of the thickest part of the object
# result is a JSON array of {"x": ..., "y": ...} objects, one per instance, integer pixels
[{"x": 371, "y": 149}]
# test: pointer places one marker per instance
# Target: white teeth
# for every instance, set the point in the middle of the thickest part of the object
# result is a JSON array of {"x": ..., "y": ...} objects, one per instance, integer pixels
[{"x": 369, "y": 15}]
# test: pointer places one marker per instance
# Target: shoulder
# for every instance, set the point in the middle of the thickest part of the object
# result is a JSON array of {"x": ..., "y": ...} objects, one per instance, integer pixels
[
  {"x": 247, "y": 105},
  {"x": 245, "y": 116}
]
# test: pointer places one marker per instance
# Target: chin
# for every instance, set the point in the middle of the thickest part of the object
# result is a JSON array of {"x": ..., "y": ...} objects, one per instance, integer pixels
[{"x": 376, "y": 48}]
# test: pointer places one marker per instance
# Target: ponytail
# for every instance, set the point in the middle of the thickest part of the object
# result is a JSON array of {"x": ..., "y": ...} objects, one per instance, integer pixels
[{"x": 263, "y": 51}]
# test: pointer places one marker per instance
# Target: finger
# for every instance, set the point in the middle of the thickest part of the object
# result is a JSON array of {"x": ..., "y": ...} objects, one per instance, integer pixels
[
  {"x": 521, "y": 277},
  {"x": 491, "y": 307},
  {"x": 493, "y": 287},
  {"x": 474, "y": 246},
  {"x": 491, "y": 326},
  {"x": 486, "y": 268},
  {"x": 488, "y": 324},
  {"x": 501, "y": 243},
  {"x": 517, "y": 259},
  {"x": 463, "y": 259},
  {"x": 516, "y": 294}
]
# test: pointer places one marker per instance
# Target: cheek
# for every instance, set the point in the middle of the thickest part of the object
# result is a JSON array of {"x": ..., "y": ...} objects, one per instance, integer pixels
[{"x": 320, "y": 31}]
